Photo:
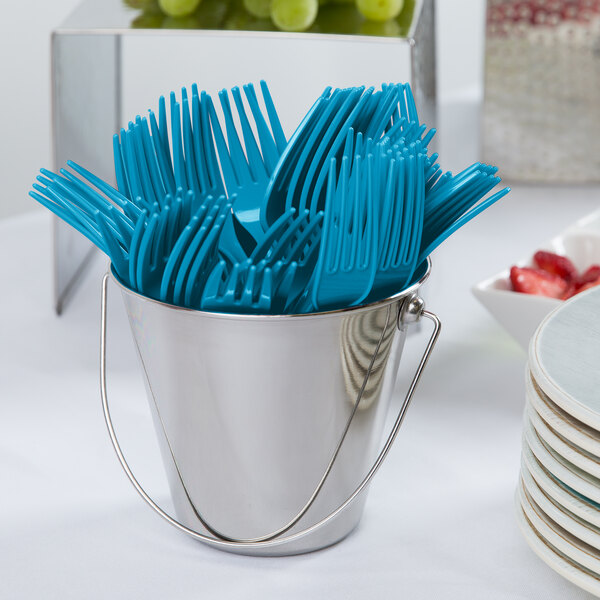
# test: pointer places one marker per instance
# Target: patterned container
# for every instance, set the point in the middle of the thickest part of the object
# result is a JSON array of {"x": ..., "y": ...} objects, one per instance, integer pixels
[{"x": 542, "y": 90}]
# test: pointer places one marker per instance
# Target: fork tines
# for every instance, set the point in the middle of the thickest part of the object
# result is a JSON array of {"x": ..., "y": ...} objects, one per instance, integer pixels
[{"x": 215, "y": 210}]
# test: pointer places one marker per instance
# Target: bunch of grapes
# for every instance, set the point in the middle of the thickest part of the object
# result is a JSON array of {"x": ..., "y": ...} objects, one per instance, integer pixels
[{"x": 367, "y": 17}]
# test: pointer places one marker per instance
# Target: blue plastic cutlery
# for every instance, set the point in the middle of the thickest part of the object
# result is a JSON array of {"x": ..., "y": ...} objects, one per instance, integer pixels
[
  {"x": 219, "y": 212},
  {"x": 247, "y": 169},
  {"x": 401, "y": 222},
  {"x": 273, "y": 203},
  {"x": 347, "y": 262},
  {"x": 243, "y": 290}
]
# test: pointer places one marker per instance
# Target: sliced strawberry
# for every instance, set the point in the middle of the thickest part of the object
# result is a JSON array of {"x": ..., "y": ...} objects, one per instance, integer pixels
[
  {"x": 588, "y": 276},
  {"x": 571, "y": 290},
  {"x": 585, "y": 286},
  {"x": 536, "y": 281},
  {"x": 556, "y": 264}
]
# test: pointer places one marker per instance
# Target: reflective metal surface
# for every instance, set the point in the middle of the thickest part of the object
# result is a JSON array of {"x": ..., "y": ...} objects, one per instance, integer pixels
[
  {"x": 85, "y": 114},
  {"x": 268, "y": 421},
  {"x": 542, "y": 90}
]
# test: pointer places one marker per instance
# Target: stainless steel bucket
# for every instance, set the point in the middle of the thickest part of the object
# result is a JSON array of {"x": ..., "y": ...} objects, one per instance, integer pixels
[{"x": 269, "y": 426}]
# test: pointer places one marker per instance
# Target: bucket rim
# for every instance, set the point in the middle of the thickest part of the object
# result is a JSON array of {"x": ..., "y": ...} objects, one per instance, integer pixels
[{"x": 296, "y": 316}]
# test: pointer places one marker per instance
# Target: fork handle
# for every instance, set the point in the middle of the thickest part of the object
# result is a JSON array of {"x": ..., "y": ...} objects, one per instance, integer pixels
[{"x": 411, "y": 310}]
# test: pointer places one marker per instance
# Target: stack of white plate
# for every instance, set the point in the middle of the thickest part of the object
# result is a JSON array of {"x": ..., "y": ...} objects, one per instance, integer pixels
[{"x": 558, "y": 500}]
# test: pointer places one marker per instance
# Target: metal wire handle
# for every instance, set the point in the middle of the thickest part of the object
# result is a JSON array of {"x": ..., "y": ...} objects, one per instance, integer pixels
[{"x": 411, "y": 310}]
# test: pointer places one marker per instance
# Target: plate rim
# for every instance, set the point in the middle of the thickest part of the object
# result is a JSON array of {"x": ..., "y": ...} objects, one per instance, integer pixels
[
  {"x": 556, "y": 468},
  {"x": 567, "y": 569},
  {"x": 588, "y": 558},
  {"x": 564, "y": 497},
  {"x": 569, "y": 522},
  {"x": 571, "y": 428},
  {"x": 565, "y": 449},
  {"x": 543, "y": 379}
]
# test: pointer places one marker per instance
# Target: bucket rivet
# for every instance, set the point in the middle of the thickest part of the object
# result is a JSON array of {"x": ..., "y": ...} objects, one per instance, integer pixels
[{"x": 411, "y": 310}]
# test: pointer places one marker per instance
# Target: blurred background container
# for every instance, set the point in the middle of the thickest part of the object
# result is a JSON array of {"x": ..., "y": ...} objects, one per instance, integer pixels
[{"x": 542, "y": 90}]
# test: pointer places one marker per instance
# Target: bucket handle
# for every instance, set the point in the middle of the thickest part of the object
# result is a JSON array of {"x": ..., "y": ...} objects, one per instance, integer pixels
[{"x": 411, "y": 310}]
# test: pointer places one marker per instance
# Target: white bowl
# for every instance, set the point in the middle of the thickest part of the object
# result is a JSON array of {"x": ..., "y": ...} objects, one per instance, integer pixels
[{"x": 520, "y": 314}]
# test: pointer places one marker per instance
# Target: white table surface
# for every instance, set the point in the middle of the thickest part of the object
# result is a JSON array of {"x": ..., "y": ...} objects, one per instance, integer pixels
[{"x": 439, "y": 521}]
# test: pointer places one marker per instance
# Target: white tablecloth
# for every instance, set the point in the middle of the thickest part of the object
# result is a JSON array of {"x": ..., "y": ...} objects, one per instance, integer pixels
[{"x": 439, "y": 521}]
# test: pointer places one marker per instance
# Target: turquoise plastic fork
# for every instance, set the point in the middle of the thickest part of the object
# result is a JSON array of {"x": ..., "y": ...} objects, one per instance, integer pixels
[
  {"x": 78, "y": 204},
  {"x": 243, "y": 290},
  {"x": 347, "y": 261},
  {"x": 247, "y": 169},
  {"x": 391, "y": 101},
  {"x": 273, "y": 204},
  {"x": 203, "y": 227},
  {"x": 342, "y": 106},
  {"x": 297, "y": 245},
  {"x": 54, "y": 202},
  {"x": 433, "y": 239},
  {"x": 274, "y": 276},
  {"x": 142, "y": 159},
  {"x": 401, "y": 255}
]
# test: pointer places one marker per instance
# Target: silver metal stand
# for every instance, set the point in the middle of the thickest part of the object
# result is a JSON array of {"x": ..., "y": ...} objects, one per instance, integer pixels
[{"x": 86, "y": 111}]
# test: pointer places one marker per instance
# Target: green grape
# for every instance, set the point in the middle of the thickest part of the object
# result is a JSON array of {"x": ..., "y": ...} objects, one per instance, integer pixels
[
  {"x": 258, "y": 8},
  {"x": 139, "y": 4},
  {"x": 148, "y": 21},
  {"x": 211, "y": 14},
  {"x": 187, "y": 22},
  {"x": 405, "y": 18},
  {"x": 294, "y": 15},
  {"x": 342, "y": 19},
  {"x": 240, "y": 20},
  {"x": 380, "y": 10},
  {"x": 260, "y": 25},
  {"x": 322, "y": 2},
  {"x": 389, "y": 28},
  {"x": 237, "y": 18},
  {"x": 178, "y": 8}
]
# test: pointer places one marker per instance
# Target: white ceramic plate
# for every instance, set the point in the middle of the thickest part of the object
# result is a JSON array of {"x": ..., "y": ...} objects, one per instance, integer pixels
[
  {"x": 579, "y": 552},
  {"x": 560, "y": 421},
  {"x": 570, "y": 570},
  {"x": 586, "y": 532},
  {"x": 520, "y": 314},
  {"x": 569, "y": 474},
  {"x": 564, "y": 357},
  {"x": 576, "y": 456},
  {"x": 558, "y": 491}
]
